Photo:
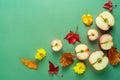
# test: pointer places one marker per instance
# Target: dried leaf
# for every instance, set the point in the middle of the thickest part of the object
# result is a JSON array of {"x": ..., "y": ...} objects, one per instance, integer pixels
[
  {"x": 29, "y": 63},
  {"x": 114, "y": 56},
  {"x": 67, "y": 59},
  {"x": 72, "y": 37},
  {"x": 108, "y": 5},
  {"x": 52, "y": 68}
]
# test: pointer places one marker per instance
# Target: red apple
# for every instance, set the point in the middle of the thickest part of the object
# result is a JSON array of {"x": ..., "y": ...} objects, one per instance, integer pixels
[
  {"x": 82, "y": 51},
  {"x": 105, "y": 20},
  {"x": 98, "y": 60},
  {"x": 56, "y": 45},
  {"x": 105, "y": 41},
  {"x": 92, "y": 34}
]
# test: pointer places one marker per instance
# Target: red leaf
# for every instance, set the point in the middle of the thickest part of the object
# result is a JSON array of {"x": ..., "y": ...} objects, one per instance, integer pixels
[
  {"x": 70, "y": 34},
  {"x": 52, "y": 68},
  {"x": 108, "y": 5},
  {"x": 77, "y": 37},
  {"x": 71, "y": 40},
  {"x": 72, "y": 37}
]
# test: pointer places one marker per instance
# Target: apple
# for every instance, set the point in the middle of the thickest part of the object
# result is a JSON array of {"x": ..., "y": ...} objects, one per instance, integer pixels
[
  {"x": 98, "y": 60},
  {"x": 105, "y": 41},
  {"x": 92, "y": 34},
  {"x": 105, "y": 20},
  {"x": 56, "y": 45},
  {"x": 82, "y": 51}
]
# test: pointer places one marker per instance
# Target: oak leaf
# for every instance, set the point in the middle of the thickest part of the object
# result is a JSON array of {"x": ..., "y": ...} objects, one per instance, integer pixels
[
  {"x": 66, "y": 59},
  {"x": 113, "y": 56}
]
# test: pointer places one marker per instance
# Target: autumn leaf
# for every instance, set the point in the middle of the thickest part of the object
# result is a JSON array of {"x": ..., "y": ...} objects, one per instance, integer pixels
[
  {"x": 52, "y": 68},
  {"x": 66, "y": 59},
  {"x": 72, "y": 37},
  {"x": 29, "y": 63},
  {"x": 108, "y": 5},
  {"x": 113, "y": 56}
]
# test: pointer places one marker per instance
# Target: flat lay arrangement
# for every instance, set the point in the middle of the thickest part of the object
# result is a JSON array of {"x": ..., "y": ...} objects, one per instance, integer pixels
[
  {"x": 97, "y": 59},
  {"x": 87, "y": 50}
]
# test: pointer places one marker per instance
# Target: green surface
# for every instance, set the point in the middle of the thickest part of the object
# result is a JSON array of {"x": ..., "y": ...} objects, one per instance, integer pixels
[{"x": 27, "y": 25}]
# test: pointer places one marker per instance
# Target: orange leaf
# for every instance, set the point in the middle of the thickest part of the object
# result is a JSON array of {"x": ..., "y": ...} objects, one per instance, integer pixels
[
  {"x": 114, "y": 56},
  {"x": 67, "y": 59},
  {"x": 29, "y": 63}
]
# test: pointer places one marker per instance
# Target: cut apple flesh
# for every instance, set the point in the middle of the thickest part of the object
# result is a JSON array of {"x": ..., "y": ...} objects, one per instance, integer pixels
[
  {"x": 106, "y": 41},
  {"x": 98, "y": 60},
  {"x": 92, "y": 34},
  {"x": 56, "y": 48},
  {"x": 82, "y": 56},
  {"x": 109, "y": 17},
  {"x": 82, "y": 51},
  {"x": 107, "y": 46},
  {"x": 56, "y": 45},
  {"x": 101, "y": 24},
  {"x": 105, "y": 20},
  {"x": 98, "y": 65}
]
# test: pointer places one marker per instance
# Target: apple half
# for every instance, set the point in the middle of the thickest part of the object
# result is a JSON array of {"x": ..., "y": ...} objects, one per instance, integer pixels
[
  {"x": 105, "y": 20},
  {"x": 56, "y": 45},
  {"x": 82, "y": 51},
  {"x": 98, "y": 60},
  {"x": 92, "y": 34},
  {"x": 105, "y": 41}
]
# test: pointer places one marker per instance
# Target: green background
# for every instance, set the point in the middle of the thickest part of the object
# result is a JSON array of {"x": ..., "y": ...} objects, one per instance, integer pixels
[{"x": 27, "y": 25}]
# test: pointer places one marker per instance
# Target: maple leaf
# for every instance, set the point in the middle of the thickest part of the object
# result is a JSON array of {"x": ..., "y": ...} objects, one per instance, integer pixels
[
  {"x": 72, "y": 37},
  {"x": 52, "y": 68},
  {"x": 113, "y": 56},
  {"x": 67, "y": 59},
  {"x": 29, "y": 63},
  {"x": 108, "y": 5}
]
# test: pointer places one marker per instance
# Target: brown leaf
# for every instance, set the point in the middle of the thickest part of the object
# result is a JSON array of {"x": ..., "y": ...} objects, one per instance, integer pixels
[
  {"x": 114, "y": 56},
  {"x": 67, "y": 59},
  {"x": 29, "y": 63}
]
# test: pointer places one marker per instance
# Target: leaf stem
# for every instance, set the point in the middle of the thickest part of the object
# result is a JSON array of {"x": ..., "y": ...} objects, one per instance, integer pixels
[{"x": 76, "y": 29}]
